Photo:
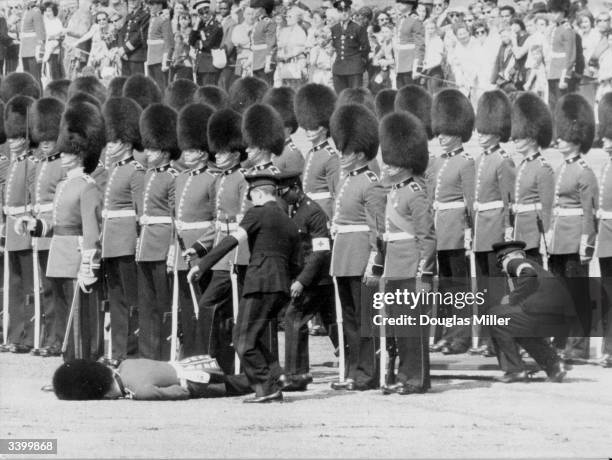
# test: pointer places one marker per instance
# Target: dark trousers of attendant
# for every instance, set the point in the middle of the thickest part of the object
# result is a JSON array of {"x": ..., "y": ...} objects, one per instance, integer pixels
[
  {"x": 32, "y": 67},
  {"x": 454, "y": 277},
  {"x": 347, "y": 81},
  {"x": 154, "y": 311},
  {"x": 157, "y": 74},
  {"x": 50, "y": 337},
  {"x": 605, "y": 267},
  {"x": 129, "y": 68}
]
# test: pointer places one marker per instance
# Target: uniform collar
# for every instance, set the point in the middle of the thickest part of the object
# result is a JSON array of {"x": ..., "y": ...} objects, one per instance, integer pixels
[
  {"x": 321, "y": 145},
  {"x": 231, "y": 170},
  {"x": 402, "y": 184},
  {"x": 573, "y": 159},
  {"x": 124, "y": 161},
  {"x": 532, "y": 157},
  {"x": 288, "y": 141},
  {"x": 162, "y": 168},
  {"x": 196, "y": 172},
  {"x": 452, "y": 153},
  {"x": 53, "y": 156},
  {"x": 261, "y": 167},
  {"x": 359, "y": 170},
  {"x": 491, "y": 150},
  {"x": 24, "y": 155}
]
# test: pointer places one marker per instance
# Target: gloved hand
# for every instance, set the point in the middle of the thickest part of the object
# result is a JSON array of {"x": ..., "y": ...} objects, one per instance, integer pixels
[
  {"x": 297, "y": 289},
  {"x": 371, "y": 277},
  {"x": 586, "y": 250},
  {"x": 85, "y": 281},
  {"x": 549, "y": 238},
  {"x": 88, "y": 270},
  {"x": 171, "y": 259},
  {"x": 25, "y": 224},
  {"x": 194, "y": 274},
  {"x": 509, "y": 234},
  {"x": 467, "y": 239},
  {"x": 189, "y": 255}
]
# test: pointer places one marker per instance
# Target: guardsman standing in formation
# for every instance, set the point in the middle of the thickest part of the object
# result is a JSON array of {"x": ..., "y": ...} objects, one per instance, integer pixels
[
  {"x": 160, "y": 43},
  {"x": 263, "y": 40},
  {"x": 410, "y": 252},
  {"x": 314, "y": 105},
  {"x": 312, "y": 290},
  {"x": 132, "y": 39},
  {"x": 207, "y": 36},
  {"x": 264, "y": 135},
  {"x": 409, "y": 44},
  {"x": 571, "y": 239},
  {"x": 534, "y": 188},
  {"x": 18, "y": 247},
  {"x": 45, "y": 118},
  {"x": 194, "y": 209},
  {"x": 158, "y": 131},
  {"x": 358, "y": 221},
  {"x": 452, "y": 188},
  {"x": 282, "y": 99},
  {"x": 352, "y": 47},
  {"x": 274, "y": 244},
  {"x": 32, "y": 39},
  {"x": 122, "y": 207},
  {"x": 74, "y": 254},
  {"x": 216, "y": 310},
  {"x": 603, "y": 248},
  {"x": 562, "y": 53}
]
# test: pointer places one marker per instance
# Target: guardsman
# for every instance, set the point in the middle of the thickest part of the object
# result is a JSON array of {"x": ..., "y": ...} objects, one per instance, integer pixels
[
  {"x": 562, "y": 59},
  {"x": 274, "y": 244},
  {"x": 206, "y": 36},
  {"x": 132, "y": 38},
  {"x": 314, "y": 105},
  {"x": 160, "y": 43},
  {"x": 409, "y": 44},
  {"x": 534, "y": 188},
  {"x": 74, "y": 226},
  {"x": 603, "y": 248},
  {"x": 179, "y": 93},
  {"x": 143, "y": 90},
  {"x": 212, "y": 95},
  {"x": 534, "y": 310},
  {"x": 194, "y": 209},
  {"x": 32, "y": 39},
  {"x": 158, "y": 131},
  {"x": 282, "y": 100},
  {"x": 409, "y": 236},
  {"x": 451, "y": 182},
  {"x": 88, "y": 84},
  {"x": 17, "y": 202},
  {"x": 571, "y": 238},
  {"x": 122, "y": 207},
  {"x": 45, "y": 117},
  {"x": 216, "y": 310},
  {"x": 358, "y": 221},
  {"x": 19, "y": 83},
  {"x": 264, "y": 135},
  {"x": 312, "y": 289},
  {"x": 4, "y": 167},
  {"x": 263, "y": 40},
  {"x": 384, "y": 102},
  {"x": 245, "y": 92},
  {"x": 352, "y": 47}
]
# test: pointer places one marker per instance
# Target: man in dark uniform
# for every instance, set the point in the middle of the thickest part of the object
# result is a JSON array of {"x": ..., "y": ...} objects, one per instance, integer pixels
[
  {"x": 534, "y": 310},
  {"x": 350, "y": 41},
  {"x": 132, "y": 38},
  {"x": 312, "y": 290},
  {"x": 274, "y": 244},
  {"x": 206, "y": 36}
]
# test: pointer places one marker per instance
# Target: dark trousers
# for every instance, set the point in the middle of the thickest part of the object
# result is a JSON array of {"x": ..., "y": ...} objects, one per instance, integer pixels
[
  {"x": 555, "y": 93},
  {"x": 260, "y": 364},
  {"x": 605, "y": 266},
  {"x": 21, "y": 305},
  {"x": 87, "y": 323},
  {"x": 267, "y": 77},
  {"x": 207, "y": 78},
  {"x": 575, "y": 275},
  {"x": 435, "y": 83},
  {"x": 49, "y": 336},
  {"x": 347, "y": 81},
  {"x": 181, "y": 72},
  {"x": 160, "y": 77},
  {"x": 154, "y": 314},
  {"x": 454, "y": 276},
  {"x": 490, "y": 278},
  {"x": 534, "y": 255},
  {"x": 530, "y": 331},
  {"x": 403, "y": 79},
  {"x": 129, "y": 68},
  {"x": 122, "y": 289},
  {"x": 228, "y": 75},
  {"x": 56, "y": 71},
  {"x": 32, "y": 67},
  {"x": 187, "y": 316},
  {"x": 361, "y": 362},
  {"x": 317, "y": 299}
]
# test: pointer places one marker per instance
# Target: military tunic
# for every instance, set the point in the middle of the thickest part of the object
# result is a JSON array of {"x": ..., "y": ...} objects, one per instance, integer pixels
[
  {"x": 32, "y": 34},
  {"x": 350, "y": 41},
  {"x": 321, "y": 175},
  {"x": 604, "y": 213},
  {"x": 291, "y": 159},
  {"x": 160, "y": 41},
  {"x": 263, "y": 42},
  {"x": 409, "y": 44}
]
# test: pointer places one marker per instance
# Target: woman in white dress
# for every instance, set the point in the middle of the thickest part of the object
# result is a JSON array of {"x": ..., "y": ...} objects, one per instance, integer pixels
[{"x": 291, "y": 54}]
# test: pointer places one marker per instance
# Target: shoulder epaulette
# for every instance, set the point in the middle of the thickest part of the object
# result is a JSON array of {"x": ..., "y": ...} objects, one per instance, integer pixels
[
  {"x": 415, "y": 187},
  {"x": 504, "y": 154},
  {"x": 371, "y": 175},
  {"x": 292, "y": 145},
  {"x": 467, "y": 155},
  {"x": 274, "y": 170},
  {"x": 173, "y": 171},
  {"x": 243, "y": 171},
  {"x": 583, "y": 163},
  {"x": 137, "y": 165},
  {"x": 89, "y": 179},
  {"x": 3, "y": 158}
]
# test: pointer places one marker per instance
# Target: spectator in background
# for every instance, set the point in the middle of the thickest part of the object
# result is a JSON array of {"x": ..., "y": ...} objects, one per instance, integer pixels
[
  {"x": 422, "y": 12},
  {"x": 178, "y": 9},
  {"x": 434, "y": 55},
  {"x": 321, "y": 58},
  {"x": 602, "y": 24},
  {"x": 241, "y": 38},
  {"x": 605, "y": 68},
  {"x": 5, "y": 41},
  {"x": 504, "y": 69},
  {"x": 13, "y": 21},
  {"x": 182, "y": 63},
  {"x": 506, "y": 14},
  {"x": 461, "y": 58},
  {"x": 537, "y": 80},
  {"x": 207, "y": 35},
  {"x": 54, "y": 32},
  {"x": 291, "y": 54},
  {"x": 382, "y": 61},
  {"x": 484, "y": 48},
  {"x": 103, "y": 38},
  {"x": 318, "y": 22},
  {"x": 590, "y": 38},
  {"x": 228, "y": 22}
]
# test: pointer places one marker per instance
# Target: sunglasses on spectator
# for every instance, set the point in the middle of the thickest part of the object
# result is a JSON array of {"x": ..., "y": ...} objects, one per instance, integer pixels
[
  {"x": 487, "y": 11},
  {"x": 480, "y": 32},
  {"x": 438, "y": 5},
  {"x": 603, "y": 20},
  {"x": 453, "y": 15},
  {"x": 383, "y": 18}
]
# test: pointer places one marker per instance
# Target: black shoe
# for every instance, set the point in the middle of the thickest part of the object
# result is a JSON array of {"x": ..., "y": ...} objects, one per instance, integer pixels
[
  {"x": 277, "y": 396},
  {"x": 438, "y": 346},
  {"x": 401, "y": 389},
  {"x": 348, "y": 385},
  {"x": 556, "y": 374},
  {"x": 512, "y": 377},
  {"x": 37, "y": 351},
  {"x": 48, "y": 387},
  {"x": 20, "y": 349},
  {"x": 453, "y": 350},
  {"x": 50, "y": 352},
  {"x": 297, "y": 382}
]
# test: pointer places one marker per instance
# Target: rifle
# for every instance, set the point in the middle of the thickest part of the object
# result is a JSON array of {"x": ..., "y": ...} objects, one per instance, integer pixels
[
  {"x": 235, "y": 299},
  {"x": 540, "y": 225},
  {"x": 74, "y": 306},
  {"x": 473, "y": 281},
  {"x": 194, "y": 297},
  {"x": 511, "y": 215},
  {"x": 174, "y": 324}
]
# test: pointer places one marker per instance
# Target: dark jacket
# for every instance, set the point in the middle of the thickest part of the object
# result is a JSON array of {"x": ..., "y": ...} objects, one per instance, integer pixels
[
  {"x": 133, "y": 35},
  {"x": 352, "y": 48},
  {"x": 208, "y": 36}
]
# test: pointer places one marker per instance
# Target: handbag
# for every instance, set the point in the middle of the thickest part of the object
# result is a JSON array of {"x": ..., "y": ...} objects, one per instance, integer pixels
[{"x": 219, "y": 58}]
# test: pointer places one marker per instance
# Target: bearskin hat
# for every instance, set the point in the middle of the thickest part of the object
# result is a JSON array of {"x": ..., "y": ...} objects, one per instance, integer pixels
[
  {"x": 158, "y": 129},
  {"x": 143, "y": 90},
  {"x": 314, "y": 105},
  {"x": 16, "y": 116},
  {"x": 191, "y": 127},
  {"x": 225, "y": 133},
  {"x": 82, "y": 133},
  {"x": 354, "y": 129},
  {"x": 361, "y": 96},
  {"x": 575, "y": 121},
  {"x": 81, "y": 379},
  {"x": 262, "y": 127},
  {"x": 531, "y": 119},
  {"x": 19, "y": 84},
  {"x": 384, "y": 102},
  {"x": 558, "y": 5},
  {"x": 416, "y": 100},
  {"x": 81, "y": 96},
  {"x": 90, "y": 85},
  {"x": 115, "y": 87},
  {"x": 212, "y": 95},
  {"x": 245, "y": 92},
  {"x": 604, "y": 112},
  {"x": 493, "y": 115},
  {"x": 180, "y": 93},
  {"x": 282, "y": 100},
  {"x": 267, "y": 5},
  {"x": 403, "y": 142},
  {"x": 57, "y": 89},
  {"x": 452, "y": 114},
  {"x": 122, "y": 117},
  {"x": 45, "y": 118},
  {"x": 2, "y": 132}
]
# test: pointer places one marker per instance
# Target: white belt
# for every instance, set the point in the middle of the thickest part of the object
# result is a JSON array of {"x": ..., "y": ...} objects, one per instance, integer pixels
[
  {"x": 565, "y": 212},
  {"x": 406, "y": 46},
  {"x": 150, "y": 220},
  {"x": 27, "y": 34},
  {"x": 225, "y": 226},
  {"x": 526, "y": 207},
  {"x": 43, "y": 207},
  {"x": 489, "y": 205},
  {"x": 440, "y": 206},
  {"x": 319, "y": 196},
  {"x": 558, "y": 54},
  {"x": 261, "y": 46},
  {"x": 180, "y": 225},
  {"x": 15, "y": 210},
  {"x": 604, "y": 215},
  {"x": 399, "y": 236},
  {"x": 350, "y": 228},
  {"x": 113, "y": 214},
  {"x": 155, "y": 41}
]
